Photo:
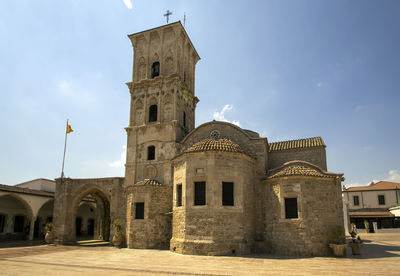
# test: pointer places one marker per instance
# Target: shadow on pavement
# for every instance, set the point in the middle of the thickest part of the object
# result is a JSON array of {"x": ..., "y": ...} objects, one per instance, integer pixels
[{"x": 12, "y": 244}]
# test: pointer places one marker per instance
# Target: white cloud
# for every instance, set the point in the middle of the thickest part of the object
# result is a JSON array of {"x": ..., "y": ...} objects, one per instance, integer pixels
[
  {"x": 355, "y": 184},
  {"x": 128, "y": 3},
  {"x": 63, "y": 87},
  {"x": 220, "y": 115},
  {"x": 394, "y": 176},
  {"x": 122, "y": 159}
]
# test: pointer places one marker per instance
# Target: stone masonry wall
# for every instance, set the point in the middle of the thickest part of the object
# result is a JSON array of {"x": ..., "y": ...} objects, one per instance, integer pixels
[
  {"x": 319, "y": 208},
  {"x": 154, "y": 231},
  {"x": 213, "y": 229},
  {"x": 316, "y": 156}
]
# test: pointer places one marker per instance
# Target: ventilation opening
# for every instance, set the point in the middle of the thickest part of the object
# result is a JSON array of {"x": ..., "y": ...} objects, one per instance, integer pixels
[{"x": 233, "y": 252}]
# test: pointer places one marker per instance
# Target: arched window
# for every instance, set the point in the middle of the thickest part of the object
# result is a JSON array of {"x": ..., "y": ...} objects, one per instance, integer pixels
[
  {"x": 155, "y": 69},
  {"x": 151, "y": 153},
  {"x": 153, "y": 113},
  {"x": 184, "y": 119}
]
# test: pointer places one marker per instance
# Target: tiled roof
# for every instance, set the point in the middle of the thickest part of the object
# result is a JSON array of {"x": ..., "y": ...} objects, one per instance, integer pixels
[
  {"x": 300, "y": 170},
  {"x": 371, "y": 214},
  {"x": 381, "y": 185},
  {"x": 148, "y": 182},
  {"x": 297, "y": 144},
  {"x": 215, "y": 145}
]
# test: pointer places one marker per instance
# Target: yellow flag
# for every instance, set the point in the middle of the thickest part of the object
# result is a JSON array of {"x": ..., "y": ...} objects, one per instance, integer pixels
[{"x": 69, "y": 129}]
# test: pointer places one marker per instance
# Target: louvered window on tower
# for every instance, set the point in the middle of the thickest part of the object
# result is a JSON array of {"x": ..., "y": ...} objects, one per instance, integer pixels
[
  {"x": 200, "y": 193},
  {"x": 155, "y": 69},
  {"x": 291, "y": 208}
]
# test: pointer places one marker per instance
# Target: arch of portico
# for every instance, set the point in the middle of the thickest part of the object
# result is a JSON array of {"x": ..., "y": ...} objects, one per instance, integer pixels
[{"x": 27, "y": 205}]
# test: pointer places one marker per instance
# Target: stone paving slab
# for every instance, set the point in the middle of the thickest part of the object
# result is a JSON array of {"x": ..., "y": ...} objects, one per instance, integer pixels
[{"x": 380, "y": 256}]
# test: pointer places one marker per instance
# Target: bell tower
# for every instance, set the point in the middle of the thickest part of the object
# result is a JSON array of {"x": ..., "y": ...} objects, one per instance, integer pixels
[
  {"x": 163, "y": 102},
  {"x": 162, "y": 112}
]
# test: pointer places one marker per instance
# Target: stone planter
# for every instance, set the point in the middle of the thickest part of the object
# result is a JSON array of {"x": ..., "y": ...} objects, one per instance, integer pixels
[
  {"x": 117, "y": 239},
  {"x": 50, "y": 236},
  {"x": 356, "y": 248},
  {"x": 339, "y": 250}
]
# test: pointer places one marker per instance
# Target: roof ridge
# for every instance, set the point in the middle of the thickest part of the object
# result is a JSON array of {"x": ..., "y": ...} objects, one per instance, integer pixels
[{"x": 297, "y": 143}]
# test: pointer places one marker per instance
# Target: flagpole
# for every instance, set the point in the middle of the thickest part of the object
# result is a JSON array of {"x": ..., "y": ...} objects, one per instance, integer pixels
[{"x": 65, "y": 147}]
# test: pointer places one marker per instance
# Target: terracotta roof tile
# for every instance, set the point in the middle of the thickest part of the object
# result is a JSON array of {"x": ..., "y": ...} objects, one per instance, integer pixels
[
  {"x": 297, "y": 144},
  {"x": 148, "y": 182},
  {"x": 381, "y": 185},
  {"x": 300, "y": 170},
  {"x": 209, "y": 144}
]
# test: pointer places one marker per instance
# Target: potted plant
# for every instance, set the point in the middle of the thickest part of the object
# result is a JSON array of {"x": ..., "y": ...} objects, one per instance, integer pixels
[
  {"x": 118, "y": 236},
  {"x": 49, "y": 237},
  {"x": 338, "y": 244},
  {"x": 356, "y": 243},
  {"x": 366, "y": 224}
]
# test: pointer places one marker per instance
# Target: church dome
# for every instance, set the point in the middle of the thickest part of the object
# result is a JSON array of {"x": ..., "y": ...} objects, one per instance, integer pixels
[{"x": 209, "y": 144}]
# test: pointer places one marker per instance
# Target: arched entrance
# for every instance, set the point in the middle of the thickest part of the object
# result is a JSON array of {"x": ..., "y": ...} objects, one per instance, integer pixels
[
  {"x": 91, "y": 215},
  {"x": 15, "y": 215},
  {"x": 45, "y": 215},
  {"x": 82, "y": 208}
]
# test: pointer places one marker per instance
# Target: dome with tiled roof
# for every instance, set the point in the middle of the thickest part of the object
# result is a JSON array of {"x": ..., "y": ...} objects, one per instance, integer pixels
[
  {"x": 209, "y": 144},
  {"x": 295, "y": 168}
]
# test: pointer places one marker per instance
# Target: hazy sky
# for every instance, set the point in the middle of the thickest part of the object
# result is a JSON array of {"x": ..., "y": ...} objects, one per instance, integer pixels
[{"x": 286, "y": 69}]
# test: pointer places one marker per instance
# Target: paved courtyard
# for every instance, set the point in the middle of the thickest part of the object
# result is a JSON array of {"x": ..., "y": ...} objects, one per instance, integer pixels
[{"x": 380, "y": 256}]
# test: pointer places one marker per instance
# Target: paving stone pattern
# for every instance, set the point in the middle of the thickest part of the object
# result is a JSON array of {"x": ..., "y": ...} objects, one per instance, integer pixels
[{"x": 380, "y": 256}]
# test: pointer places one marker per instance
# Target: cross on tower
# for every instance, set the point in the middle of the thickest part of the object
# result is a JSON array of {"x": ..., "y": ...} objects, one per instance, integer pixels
[{"x": 167, "y": 15}]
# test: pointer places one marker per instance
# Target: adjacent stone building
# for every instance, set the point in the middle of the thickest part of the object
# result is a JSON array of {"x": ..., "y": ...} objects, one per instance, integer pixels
[{"x": 212, "y": 190}]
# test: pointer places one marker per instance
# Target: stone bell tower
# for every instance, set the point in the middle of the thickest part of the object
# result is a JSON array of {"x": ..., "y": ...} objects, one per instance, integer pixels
[{"x": 162, "y": 112}]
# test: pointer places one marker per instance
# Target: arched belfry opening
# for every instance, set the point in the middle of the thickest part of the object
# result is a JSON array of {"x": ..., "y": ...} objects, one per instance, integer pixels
[
  {"x": 155, "y": 69},
  {"x": 153, "y": 113}
]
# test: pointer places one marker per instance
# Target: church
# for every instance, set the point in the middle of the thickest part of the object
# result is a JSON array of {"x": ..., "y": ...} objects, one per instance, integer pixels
[{"x": 216, "y": 189}]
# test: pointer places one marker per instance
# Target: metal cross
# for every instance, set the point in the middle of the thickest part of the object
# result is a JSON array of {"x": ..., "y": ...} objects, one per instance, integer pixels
[{"x": 167, "y": 15}]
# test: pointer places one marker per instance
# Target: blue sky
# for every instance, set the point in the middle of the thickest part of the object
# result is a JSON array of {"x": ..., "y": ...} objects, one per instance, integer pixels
[{"x": 286, "y": 69}]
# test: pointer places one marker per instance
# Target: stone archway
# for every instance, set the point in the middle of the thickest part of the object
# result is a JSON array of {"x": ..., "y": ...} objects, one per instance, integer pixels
[
  {"x": 91, "y": 205},
  {"x": 75, "y": 198}
]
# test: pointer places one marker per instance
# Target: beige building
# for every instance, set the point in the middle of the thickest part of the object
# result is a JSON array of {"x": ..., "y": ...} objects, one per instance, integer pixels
[
  {"x": 26, "y": 208},
  {"x": 216, "y": 189},
  {"x": 373, "y": 203}
]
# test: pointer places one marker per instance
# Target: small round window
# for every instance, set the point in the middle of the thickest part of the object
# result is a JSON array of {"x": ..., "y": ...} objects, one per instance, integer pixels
[{"x": 214, "y": 134}]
